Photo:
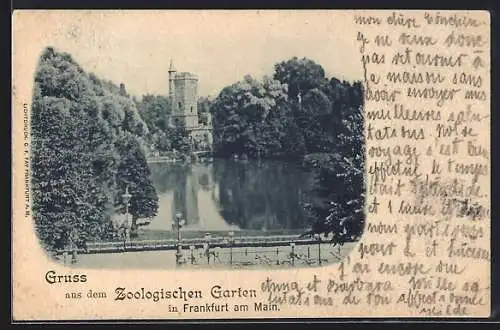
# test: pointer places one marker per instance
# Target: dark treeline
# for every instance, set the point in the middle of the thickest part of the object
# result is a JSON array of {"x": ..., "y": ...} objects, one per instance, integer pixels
[
  {"x": 88, "y": 144},
  {"x": 301, "y": 115}
]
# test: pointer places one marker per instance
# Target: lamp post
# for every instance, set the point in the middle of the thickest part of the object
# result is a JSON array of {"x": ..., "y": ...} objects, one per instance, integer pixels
[
  {"x": 191, "y": 247},
  {"x": 179, "y": 222},
  {"x": 231, "y": 241},
  {"x": 318, "y": 238},
  {"x": 126, "y": 199}
]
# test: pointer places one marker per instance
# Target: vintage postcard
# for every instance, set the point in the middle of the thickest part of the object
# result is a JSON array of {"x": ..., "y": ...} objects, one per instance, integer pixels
[{"x": 204, "y": 164}]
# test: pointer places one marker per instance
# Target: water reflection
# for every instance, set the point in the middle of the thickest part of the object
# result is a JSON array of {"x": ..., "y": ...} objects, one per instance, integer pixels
[{"x": 227, "y": 194}]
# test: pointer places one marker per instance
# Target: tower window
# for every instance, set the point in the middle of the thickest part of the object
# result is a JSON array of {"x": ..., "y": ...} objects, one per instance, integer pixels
[
  {"x": 180, "y": 105},
  {"x": 191, "y": 109}
]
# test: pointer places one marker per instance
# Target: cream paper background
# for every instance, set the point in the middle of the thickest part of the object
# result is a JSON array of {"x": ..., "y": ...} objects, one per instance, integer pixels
[{"x": 335, "y": 31}]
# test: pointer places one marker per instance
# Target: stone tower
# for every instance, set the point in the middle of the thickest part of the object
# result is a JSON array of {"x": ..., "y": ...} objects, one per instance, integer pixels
[{"x": 183, "y": 94}]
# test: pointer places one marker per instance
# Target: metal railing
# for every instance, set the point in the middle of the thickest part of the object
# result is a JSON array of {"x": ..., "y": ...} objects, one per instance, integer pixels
[
  {"x": 171, "y": 244},
  {"x": 283, "y": 250},
  {"x": 284, "y": 255}
]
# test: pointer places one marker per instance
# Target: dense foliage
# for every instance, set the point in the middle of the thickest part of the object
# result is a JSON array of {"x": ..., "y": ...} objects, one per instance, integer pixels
[
  {"x": 301, "y": 114},
  {"x": 88, "y": 142},
  {"x": 162, "y": 137},
  {"x": 251, "y": 118}
]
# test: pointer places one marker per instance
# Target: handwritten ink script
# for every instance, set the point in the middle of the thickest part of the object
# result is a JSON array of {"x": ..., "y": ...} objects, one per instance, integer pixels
[
  {"x": 428, "y": 162},
  {"x": 425, "y": 250}
]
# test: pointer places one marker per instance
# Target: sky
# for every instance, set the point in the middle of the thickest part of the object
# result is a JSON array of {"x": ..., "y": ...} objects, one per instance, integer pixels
[{"x": 221, "y": 47}]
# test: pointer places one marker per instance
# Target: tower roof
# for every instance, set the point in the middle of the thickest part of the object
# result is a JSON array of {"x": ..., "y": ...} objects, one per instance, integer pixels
[{"x": 171, "y": 68}]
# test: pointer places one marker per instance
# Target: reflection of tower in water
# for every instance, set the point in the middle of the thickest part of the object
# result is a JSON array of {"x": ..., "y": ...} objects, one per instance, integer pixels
[
  {"x": 185, "y": 198},
  {"x": 196, "y": 197}
]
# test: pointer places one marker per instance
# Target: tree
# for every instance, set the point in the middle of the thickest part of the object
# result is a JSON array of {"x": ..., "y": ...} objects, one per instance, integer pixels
[
  {"x": 133, "y": 172},
  {"x": 71, "y": 160},
  {"x": 294, "y": 146},
  {"x": 155, "y": 110},
  {"x": 179, "y": 139},
  {"x": 76, "y": 122},
  {"x": 132, "y": 121},
  {"x": 313, "y": 117},
  {"x": 301, "y": 75},
  {"x": 340, "y": 184},
  {"x": 241, "y": 117},
  {"x": 204, "y": 104}
]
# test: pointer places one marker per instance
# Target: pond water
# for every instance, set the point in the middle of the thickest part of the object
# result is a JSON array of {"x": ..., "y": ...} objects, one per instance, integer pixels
[{"x": 222, "y": 195}]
